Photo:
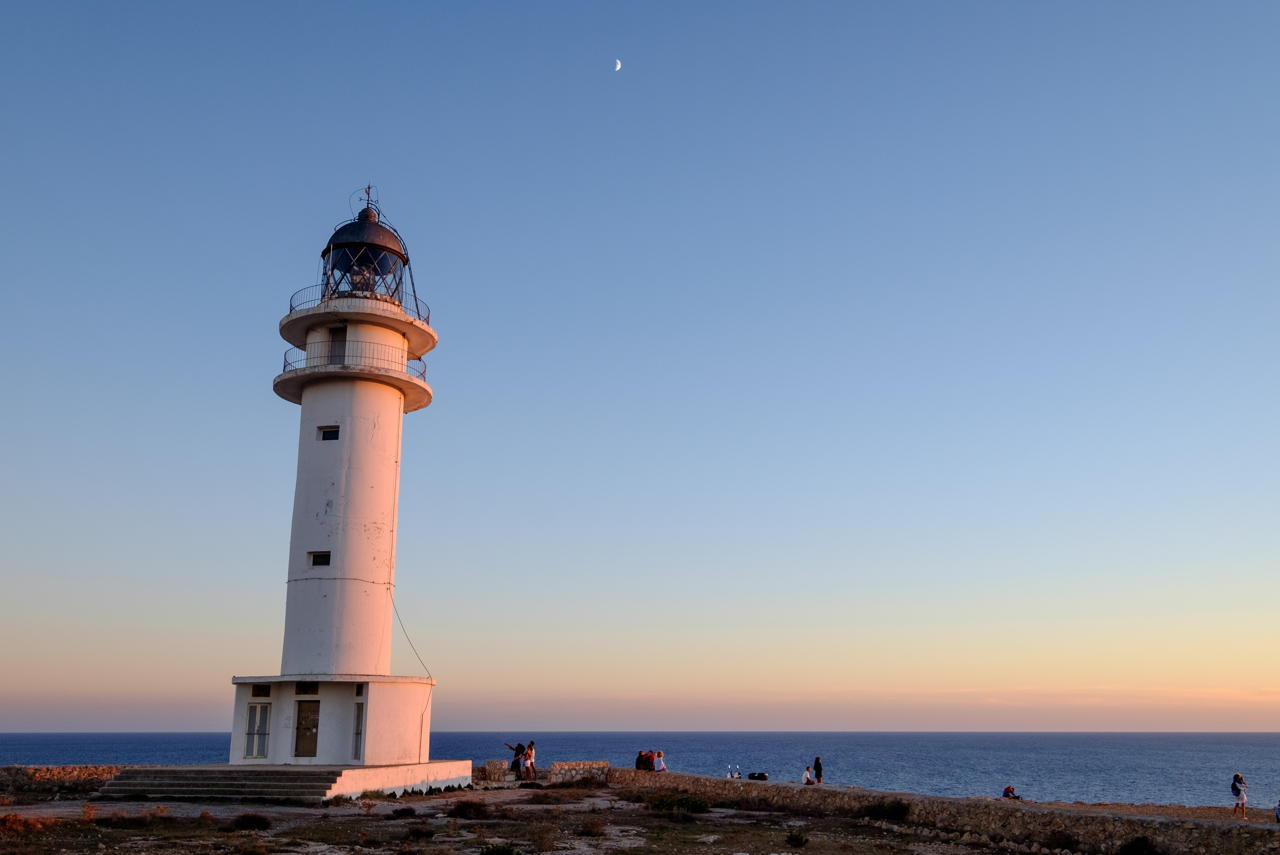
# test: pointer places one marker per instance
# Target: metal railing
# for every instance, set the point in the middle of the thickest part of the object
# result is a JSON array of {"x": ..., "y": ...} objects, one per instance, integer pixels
[
  {"x": 354, "y": 353},
  {"x": 317, "y": 294}
]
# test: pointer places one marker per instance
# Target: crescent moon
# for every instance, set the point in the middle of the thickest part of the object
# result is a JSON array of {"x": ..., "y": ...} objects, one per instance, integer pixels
[{"x": 617, "y": 65}]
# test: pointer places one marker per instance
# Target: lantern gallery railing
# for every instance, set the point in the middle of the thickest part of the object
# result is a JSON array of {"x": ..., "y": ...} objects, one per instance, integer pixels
[
  {"x": 317, "y": 294},
  {"x": 355, "y": 353}
]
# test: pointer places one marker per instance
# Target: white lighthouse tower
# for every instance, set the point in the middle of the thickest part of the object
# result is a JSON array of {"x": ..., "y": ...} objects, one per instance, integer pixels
[{"x": 355, "y": 368}]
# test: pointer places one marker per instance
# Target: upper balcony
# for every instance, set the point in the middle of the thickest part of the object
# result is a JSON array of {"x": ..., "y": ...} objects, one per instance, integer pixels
[
  {"x": 332, "y": 302},
  {"x": 354, "y": 359}
]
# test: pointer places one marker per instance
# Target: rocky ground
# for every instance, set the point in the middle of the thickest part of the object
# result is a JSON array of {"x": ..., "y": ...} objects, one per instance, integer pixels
[
  {"x": 1259, "y": 815},
  {"x": 494, "y": 822}
]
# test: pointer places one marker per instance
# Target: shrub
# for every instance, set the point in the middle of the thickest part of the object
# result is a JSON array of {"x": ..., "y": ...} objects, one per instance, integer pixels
[
  {"x": 250, "y": 822},
  {"x": 420, "y": 832},
  {"x": 88, "y": 812},
  {"x": 889, "y": 810},
  {"x": 469, "y": 810},
  {"x": 546, "y": 797},
  {"x": 797, "y": 838},
  {"x": 1141, "y": 845},
  {"x": 119, "y": 820},
  {"x": 13, "y": 823},
  {"x": 679, "y": 802},
  {"x": 543, "y": 837},
  {"x": 499, "y": 849},
  {"x": 1059, "y": 839},
  {"x": 402, "y": 813},
  {"x": 592, "y": 826},
  {"x": 751, "y": 803}
]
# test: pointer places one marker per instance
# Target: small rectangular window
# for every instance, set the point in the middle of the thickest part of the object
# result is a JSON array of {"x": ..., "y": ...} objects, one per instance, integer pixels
[
  {"x": 359, "y": 690},
  {"x": 307, "y": 688},
  {"x": 261, "y": 690},
  {"x": 327, "y": 432},
  {"x": 357, "y": 738},
  {"x": 319, "y": 559}
]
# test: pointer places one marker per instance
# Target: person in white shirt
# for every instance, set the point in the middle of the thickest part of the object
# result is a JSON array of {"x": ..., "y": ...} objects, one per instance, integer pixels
[
  {"x": 808, "y": 776},
  {"x": 659, "y": 764},
  {"x": 530, "y": 767}
]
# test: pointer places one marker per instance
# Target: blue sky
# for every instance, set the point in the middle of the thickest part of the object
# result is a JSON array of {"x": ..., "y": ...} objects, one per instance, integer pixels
[{"x": 839, "y": 365}]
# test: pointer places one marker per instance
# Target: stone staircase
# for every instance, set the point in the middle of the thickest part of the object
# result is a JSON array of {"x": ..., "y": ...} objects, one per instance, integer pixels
[{"x": 286, "y": 784}]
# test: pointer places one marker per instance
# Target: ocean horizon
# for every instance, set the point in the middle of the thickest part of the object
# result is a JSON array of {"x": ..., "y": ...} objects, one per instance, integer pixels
[{"x": 1188, "y": 768}]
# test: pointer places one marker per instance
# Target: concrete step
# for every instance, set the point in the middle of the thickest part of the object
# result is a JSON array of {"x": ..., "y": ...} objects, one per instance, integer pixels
[
  {"x": 211, "y": 792},
  {"x": 280, "y": 779},
  {"x": 222, "y": 783},
  {"x": 121, "y": 786},
  {"x": 187, "y": 772}
]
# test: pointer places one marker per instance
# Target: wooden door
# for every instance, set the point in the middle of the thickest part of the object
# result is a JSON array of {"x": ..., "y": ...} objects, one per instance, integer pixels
[{"x": 308, "y": 727}]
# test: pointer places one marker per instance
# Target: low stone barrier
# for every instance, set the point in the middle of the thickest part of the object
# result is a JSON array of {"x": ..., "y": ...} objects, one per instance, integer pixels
[
  {"x": 1018, "y": 826},
  {"x": 577, "y": 770},
  {"x": 561, "y": 772},
  {"x": 41, "y": 783}
]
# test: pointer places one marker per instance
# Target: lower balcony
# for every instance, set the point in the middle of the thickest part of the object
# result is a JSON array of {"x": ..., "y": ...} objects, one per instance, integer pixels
[{"x": 354, "y": 360}]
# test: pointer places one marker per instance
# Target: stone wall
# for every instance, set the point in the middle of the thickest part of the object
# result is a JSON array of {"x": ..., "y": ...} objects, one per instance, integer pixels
[
  {"x": 578, "y": 770},
  {"x": 42, "y": 783},
  {"x": 499, "y": 772},
  {"x": 1017, "y": 826}
]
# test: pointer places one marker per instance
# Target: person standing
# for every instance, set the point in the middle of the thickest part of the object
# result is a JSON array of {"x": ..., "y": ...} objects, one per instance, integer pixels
[
  {"x": 517, "y": 756},
  {"x": 1240, "y": 789},
  {"x": 530, "y": 766},
  {"x": 817, "y": 768}
]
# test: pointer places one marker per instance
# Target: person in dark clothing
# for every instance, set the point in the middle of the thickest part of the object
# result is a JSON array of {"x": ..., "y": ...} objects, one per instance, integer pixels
[
  {"x": 1010, "y": 794},
  {"x": 817, "y": 768},
  {"x": 640, "y": 760},
  {"x": 517, "y": 754}
]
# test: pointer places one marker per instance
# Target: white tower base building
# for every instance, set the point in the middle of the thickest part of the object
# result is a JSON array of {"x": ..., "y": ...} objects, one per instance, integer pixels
[{"x": 356, "y": 370}]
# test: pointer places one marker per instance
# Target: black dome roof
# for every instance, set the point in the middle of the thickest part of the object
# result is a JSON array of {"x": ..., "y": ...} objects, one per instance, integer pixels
[{"x": 367, "y": 231}]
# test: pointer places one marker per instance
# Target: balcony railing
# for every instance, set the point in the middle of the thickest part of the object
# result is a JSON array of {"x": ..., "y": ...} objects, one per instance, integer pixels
[
  {"x": 317, "y": 294},
  {"x": 354, "y": 353}
]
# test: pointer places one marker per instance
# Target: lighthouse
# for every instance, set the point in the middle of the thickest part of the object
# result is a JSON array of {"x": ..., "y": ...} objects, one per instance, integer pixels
[{"x": 355, "y": 369}]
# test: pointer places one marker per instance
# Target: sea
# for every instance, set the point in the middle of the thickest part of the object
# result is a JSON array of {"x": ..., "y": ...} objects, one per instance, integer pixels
[{"x": 1161, "y": 768}]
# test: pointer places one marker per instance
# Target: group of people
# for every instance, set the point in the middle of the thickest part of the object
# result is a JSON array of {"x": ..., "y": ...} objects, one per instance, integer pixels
[
  {"x": 523, "y": 760},
  {"x": 813, "y": 774},
  {"x": 651, "y": 761}
]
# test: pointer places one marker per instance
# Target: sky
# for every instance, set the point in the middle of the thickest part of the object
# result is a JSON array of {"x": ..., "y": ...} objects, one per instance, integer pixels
[{"x": 833, "y": 365}]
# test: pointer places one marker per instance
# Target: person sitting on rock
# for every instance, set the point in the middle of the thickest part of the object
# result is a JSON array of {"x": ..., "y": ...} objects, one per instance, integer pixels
[
  {"x": 808, "y": 776},
  {"x": 1010, "y": 794}
]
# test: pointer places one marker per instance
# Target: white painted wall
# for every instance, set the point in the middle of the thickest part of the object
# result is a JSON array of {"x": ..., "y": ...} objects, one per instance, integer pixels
[
  {"x": 398, "y": 729},
  {"x": 397, "y": 724},
  {"x": 338, "y": 618}
]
